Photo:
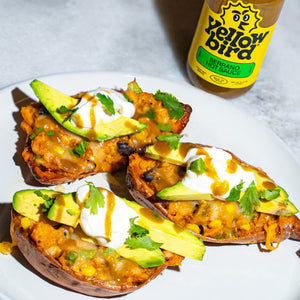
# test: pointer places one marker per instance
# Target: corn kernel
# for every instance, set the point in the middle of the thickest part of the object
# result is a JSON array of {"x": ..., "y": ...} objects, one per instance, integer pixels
[
  {"x": 215, "y": 223},
  {"x": 88, "y": 270},
  {"x": 193, "y": 227},
  {"x": 246, "y": 227},
  {"x": 6, "y": 247},
  {"x": 25, "y": 222}
]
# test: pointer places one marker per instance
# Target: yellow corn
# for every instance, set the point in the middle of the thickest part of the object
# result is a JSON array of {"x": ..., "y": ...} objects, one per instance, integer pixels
[
  {"x": 6, "y": 247},
  {"x": 193, "y": 227},
  {"x": 246, "y": 227},
  {"x": 88, "y": 270},
  {"x": 25, "y": 222},
  {"x": 215, "y": 223}
]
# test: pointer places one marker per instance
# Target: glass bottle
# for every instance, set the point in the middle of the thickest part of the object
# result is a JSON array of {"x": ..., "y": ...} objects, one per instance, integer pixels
[{"x": 229, "y": 45}]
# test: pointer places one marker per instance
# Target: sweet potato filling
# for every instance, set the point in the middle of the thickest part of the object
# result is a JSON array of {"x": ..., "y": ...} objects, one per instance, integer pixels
[
  {"x": 216, "y": 219},
  {"x": 50, "y": 148},
  {"x": 74, "y": 253}
]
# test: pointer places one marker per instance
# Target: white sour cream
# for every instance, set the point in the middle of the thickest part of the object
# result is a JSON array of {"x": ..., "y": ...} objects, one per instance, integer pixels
[
  {"x": 96, "y": 225},
  {"x": 91, "y": 111},
  {"x": 219, "y": 164}
]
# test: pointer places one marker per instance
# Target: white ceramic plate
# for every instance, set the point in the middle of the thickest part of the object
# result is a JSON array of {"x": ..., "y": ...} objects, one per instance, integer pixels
[{"x": 227, "y": 272}]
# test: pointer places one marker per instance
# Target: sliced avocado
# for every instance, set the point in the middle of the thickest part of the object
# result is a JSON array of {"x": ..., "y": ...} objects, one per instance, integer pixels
[
  {"x": 145, "y": 258},
  {"x": 133, "y": 86},
  {"x": 173, "y": 236},
  {"x": 28, "y": 204},
  {"x": 275, "y": 208},
  {"x": 53, "y": 100},
  {"x": 65, "y": 210},
  {"x": 161, "y": 151},
  {"x": 181, "y": 192}
]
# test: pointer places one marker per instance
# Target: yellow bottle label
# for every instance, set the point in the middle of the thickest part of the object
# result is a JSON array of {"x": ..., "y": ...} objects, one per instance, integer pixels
[{"x": 228, "y": 48}]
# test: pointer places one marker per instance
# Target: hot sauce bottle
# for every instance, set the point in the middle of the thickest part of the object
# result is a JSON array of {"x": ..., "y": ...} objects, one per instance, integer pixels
[{"x": 229, "y": 45}]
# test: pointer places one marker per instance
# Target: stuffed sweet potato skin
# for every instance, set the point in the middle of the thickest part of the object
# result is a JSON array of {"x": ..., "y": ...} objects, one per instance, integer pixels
[
  {"x": 146, "y": 177},
  {"x": 47, "y": 151},
  {"x": 52, "y": 269}
]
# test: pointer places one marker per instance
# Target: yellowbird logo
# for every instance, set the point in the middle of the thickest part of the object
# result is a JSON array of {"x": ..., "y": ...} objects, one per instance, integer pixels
[
  {"x": 240, "y": 16},
  {"x": 235, "y": 32}
]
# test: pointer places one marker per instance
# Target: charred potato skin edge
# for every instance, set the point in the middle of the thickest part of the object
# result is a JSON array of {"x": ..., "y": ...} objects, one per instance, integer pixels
[{"x": 52, "y": 270}]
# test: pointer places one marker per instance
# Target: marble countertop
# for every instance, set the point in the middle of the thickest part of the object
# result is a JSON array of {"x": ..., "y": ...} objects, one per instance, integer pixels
[{"x": 149, "y": 37}]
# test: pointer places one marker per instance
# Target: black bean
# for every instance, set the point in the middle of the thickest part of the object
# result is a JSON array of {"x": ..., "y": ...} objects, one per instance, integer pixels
[
  {"x": 124, "y": 148},
  {"x": 147, "y": 176}
]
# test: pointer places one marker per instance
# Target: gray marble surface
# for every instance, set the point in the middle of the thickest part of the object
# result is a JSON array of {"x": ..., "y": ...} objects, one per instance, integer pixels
[{"x": 150, "y": 37}]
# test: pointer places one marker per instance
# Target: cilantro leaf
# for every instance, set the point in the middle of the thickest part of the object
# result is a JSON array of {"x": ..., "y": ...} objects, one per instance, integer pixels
[
  {"x": 50, "y": 132},
  {"x": 139, "y": 239},
  {"x": 136, "y": 230},
  {"x": 80, "y": 149},
  {"x": 249, "y": 199},
  {"x": 235, "y": 193},
  {"x": 164, "y": 127},
  {"x": 95, "y": 199},
  {"x": 72, "y": 256},
  {"x": 36, "y": 132},
  {"x": 151, "y": 114},
  {"x": 63, "y": 110},
  {"x": 127, "y": 98},
  {"x": 107, "y": 102},
  {"x": 48, "y": 200},
  {"x": 176, "y": 111},
  {"x": 172, "y": 139},
  {"x": 142, "y": 242},
  {"x": 270, "y": 194},
  {"x": 198, "y": 166}
]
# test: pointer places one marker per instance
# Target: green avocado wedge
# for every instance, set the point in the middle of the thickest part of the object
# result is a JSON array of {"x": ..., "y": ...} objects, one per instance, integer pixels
[
  {"x": 53, "y": 100},
  {"x": 62, "y": 207},
  {"x": 173, "y": 237}
]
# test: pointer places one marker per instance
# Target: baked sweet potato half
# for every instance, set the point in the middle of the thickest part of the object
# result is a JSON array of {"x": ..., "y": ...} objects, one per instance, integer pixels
[
  {"x": 71, "y": 258},
  {"x": 56, "y": 155},
  {"x": 258, "y": 212}
]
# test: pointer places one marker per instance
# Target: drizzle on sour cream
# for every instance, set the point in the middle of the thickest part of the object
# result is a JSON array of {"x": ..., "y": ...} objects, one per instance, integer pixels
[
  {"x": 222, "y": 173},
  {"x": 90, "y": 111}
]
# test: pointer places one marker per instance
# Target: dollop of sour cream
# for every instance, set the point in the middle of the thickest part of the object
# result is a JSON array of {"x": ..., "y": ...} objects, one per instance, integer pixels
[
  {"x": 113, "y": 217},
  {"x": 90, "y": 111},
  {"x": 222, "y": 173}
]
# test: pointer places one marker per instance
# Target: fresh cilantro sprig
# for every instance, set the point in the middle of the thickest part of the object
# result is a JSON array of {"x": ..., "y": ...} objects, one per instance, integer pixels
[
  {"x": 63, "y": 110},
  {"x": 235, "y": 193},
  {"x": 249, "y": 199},
  {"x": 198, "y": 166},
  {"x": 80, "y": 149},
  {"x": 176, "y": 111},
  {"x": 164, "y": 127},
  {"x": 269, "y": 194},
  {"x": 151, "y": 114},
  {"x": 36, "y": 132},
  {"x": 139, "y": 239},
  {"x": 40, "y": 129},
  {"x": 48, "y": 201},
  {"x": 136, "y": 230},
  {"x": 95, "y": 199},
  {"x": 107, "y": 102},
  {"x": 171, "y": 139}
]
